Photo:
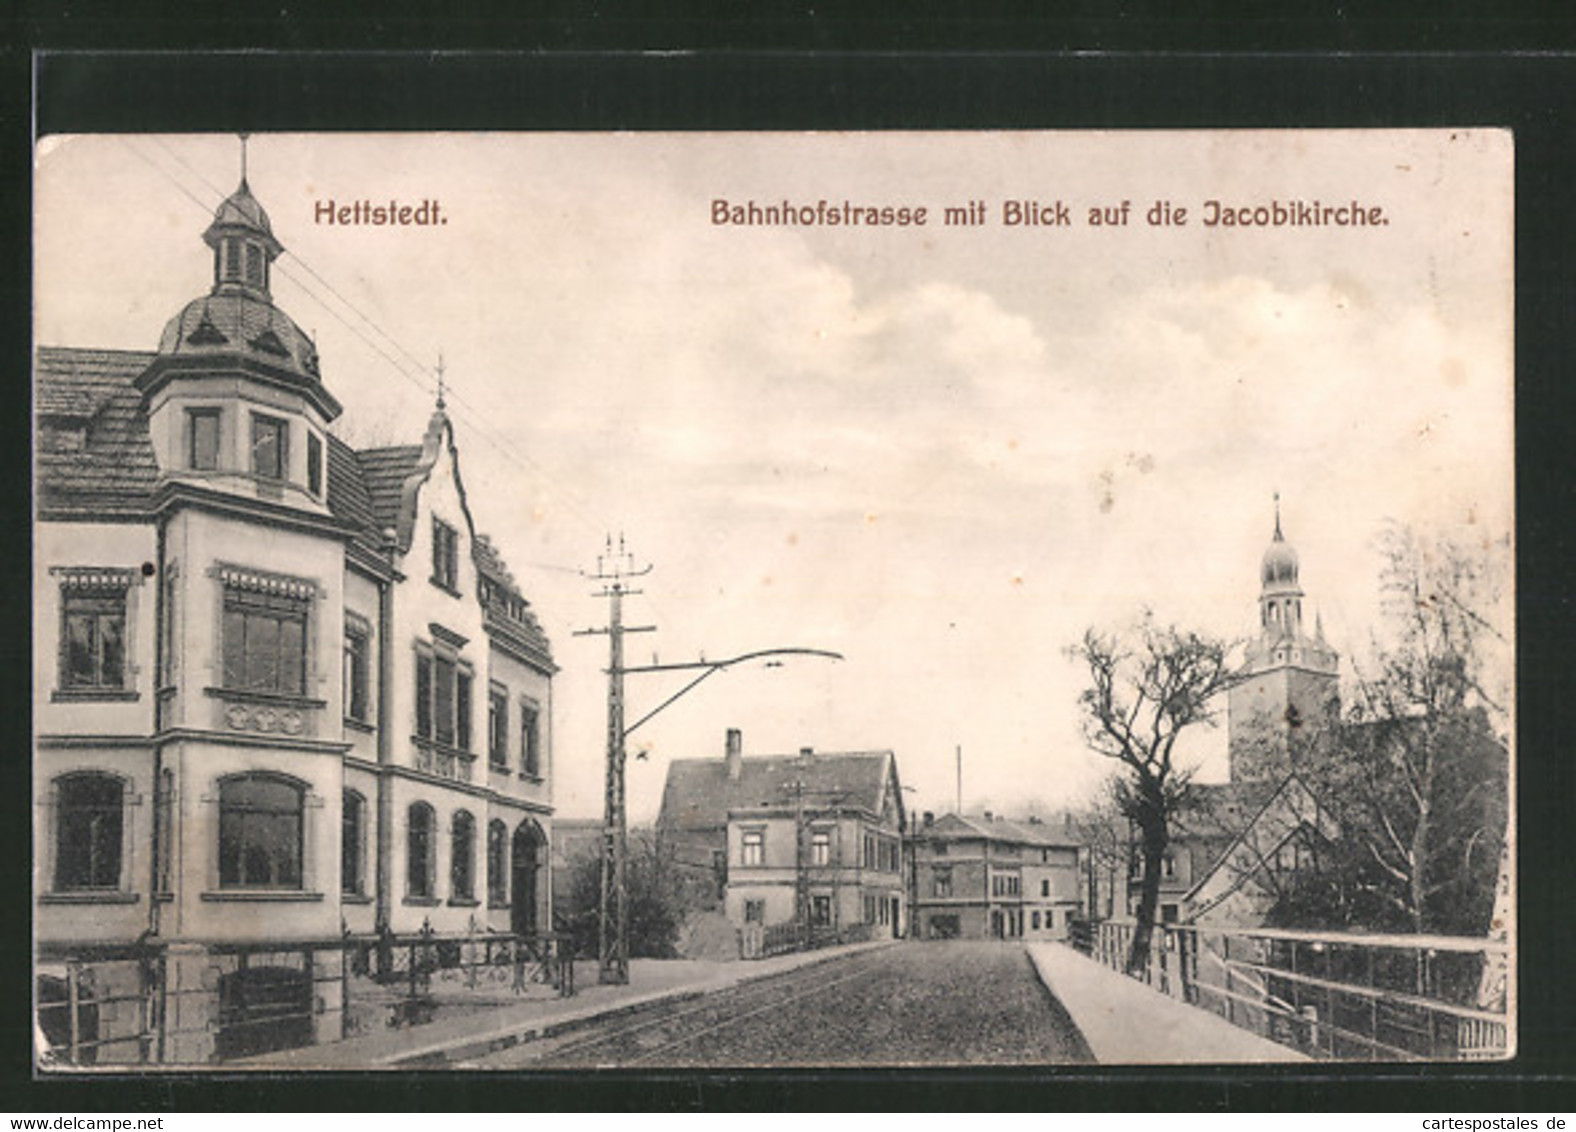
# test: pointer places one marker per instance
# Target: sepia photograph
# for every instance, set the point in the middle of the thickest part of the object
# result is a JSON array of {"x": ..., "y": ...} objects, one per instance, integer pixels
[{"x": 543, "y": 602}]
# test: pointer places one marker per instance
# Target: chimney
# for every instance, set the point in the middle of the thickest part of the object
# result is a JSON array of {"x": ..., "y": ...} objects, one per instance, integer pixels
[
  {"x": 988, "y": 816},
  {"x": 930, "y": 819},
  {"x": 807, "y": 752},
  {"x": 735, "y": 753}
]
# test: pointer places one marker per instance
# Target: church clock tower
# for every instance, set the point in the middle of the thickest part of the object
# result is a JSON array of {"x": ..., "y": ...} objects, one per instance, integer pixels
[{"x": 1288, "y": 682}]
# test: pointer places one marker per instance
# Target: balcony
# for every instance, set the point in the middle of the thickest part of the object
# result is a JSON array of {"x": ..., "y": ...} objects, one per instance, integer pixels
[{"x": 443, "y": 761}]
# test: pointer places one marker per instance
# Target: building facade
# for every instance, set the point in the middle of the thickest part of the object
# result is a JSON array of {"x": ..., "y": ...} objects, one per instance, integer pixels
[
  {"x": 814, "y": 839},
  {"x": 284, "y": 690},
  {"x": 990, "y": 878}
]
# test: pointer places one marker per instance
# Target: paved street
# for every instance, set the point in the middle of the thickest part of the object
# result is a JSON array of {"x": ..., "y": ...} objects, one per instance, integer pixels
[{"x": 931, "y": 1003}]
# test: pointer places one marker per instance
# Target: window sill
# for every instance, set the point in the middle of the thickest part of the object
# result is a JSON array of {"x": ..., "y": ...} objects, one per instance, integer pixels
[
  {"x": 445, "y": 587},
  {"x": 354, "y": 898},
  {"x": 422, "y": 901},
  {"x": 495, "y": 906},
  {"x": 464, "y": 902},
  {"x": 262, "y": 896},
  {"x": 93, "y": 695},
  {"x": 88, "y": 896},
  {"x": 247, "y": 695},
  {"x": 536, "y": 778},
  {"x": 498, "y": 768},
  {"x": 360, "y": 725}
]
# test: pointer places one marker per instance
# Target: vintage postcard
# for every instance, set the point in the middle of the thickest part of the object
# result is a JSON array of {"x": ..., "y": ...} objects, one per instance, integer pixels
[{"x": 550, "y": 601}]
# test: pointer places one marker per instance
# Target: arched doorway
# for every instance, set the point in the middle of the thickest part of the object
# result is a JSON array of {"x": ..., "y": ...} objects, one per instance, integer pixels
[{"x": 526, "y": 852}]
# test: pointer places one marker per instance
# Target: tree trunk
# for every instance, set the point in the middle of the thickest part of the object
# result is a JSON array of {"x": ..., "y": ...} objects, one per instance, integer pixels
[{"x": 1153, "y": 827}]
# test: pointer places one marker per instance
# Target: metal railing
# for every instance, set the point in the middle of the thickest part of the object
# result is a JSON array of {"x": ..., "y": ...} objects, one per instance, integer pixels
[
  {"x": 1336, "y": 995},
  {"x": 761, "y": 941},
  {"x": 119, "y": 1004}
]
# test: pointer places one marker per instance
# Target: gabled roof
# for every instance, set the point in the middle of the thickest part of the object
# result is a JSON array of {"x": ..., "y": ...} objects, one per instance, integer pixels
[
  {"x": 113, "y": 473},
  {"x": 93, "y": 459},
  {"x": 699, "y": 794},
  {"x": 960, "y": 827}
]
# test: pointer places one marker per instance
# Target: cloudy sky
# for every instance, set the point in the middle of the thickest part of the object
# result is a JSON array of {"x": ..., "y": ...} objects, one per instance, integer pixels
[{"x": 940, "y": 451}]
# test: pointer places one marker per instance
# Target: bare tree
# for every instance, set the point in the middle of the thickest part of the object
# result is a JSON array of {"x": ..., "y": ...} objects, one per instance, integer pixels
[
  {"x": 1146, "y": 686},
  {"x": 1420, "y": 765},
  {"x": 1103, "y": 831}
]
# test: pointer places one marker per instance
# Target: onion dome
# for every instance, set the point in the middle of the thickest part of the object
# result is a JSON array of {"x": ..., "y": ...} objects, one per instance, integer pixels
[{"x": 1279, "y": 567}]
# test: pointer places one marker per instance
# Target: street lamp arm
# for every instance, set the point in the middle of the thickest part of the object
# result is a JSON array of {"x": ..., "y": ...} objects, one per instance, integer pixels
[{"x": 712, "y": 667}]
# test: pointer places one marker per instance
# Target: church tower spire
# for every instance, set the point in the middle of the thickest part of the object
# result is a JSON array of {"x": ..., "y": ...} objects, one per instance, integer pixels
[{"x": 1288, "y": 679}]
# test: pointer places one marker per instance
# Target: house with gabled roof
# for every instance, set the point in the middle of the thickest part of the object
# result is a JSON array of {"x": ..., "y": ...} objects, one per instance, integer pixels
[
  {"x": 285, "y": 690},
  {"x": 813, "y": 838}
]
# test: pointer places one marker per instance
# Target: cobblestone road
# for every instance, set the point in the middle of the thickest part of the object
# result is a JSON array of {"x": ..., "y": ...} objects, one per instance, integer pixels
[{"x": 955, "y": 1003}]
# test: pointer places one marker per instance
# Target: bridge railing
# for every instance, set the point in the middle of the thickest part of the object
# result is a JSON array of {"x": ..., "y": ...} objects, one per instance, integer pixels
[{"x": 1337, "y": 995}]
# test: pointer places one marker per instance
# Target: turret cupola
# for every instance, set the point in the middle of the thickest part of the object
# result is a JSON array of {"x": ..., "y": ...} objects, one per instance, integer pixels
[
  {"x": 243, "y": 244},
  {"x": 1280, "y": 599}
]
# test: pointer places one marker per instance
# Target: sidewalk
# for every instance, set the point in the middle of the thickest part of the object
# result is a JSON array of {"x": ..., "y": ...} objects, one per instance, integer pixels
[
  {"x": 1128, "y": 1023},
  {"x": 499, "y": 1027}
]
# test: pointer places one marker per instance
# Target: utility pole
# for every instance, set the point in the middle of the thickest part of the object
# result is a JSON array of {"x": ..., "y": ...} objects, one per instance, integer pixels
[{"x": 613, "y": 922}]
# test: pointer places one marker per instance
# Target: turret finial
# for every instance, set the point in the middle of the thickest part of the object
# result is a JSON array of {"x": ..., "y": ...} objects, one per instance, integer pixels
[
  {"x": 440, "y": 382},
  {"x": 1278, "y": 535},
  {"x": 243, "y": 138}
]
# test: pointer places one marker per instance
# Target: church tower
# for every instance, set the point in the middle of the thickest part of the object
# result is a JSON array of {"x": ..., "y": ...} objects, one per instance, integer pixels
[{"x": 1288, "y": 682}]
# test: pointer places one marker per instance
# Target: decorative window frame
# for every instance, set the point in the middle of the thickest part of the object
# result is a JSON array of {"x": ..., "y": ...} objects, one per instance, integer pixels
[
  {"x": 498, "y": 727},
  {"x": 109, "y": 583},
  {"x": 122, "y": 892},
  {"x": 498, "y": 869},
  {"x": 311, "y": 805},
  {"x": 448, "y": 759},
  {"x": 242, "y": 584},
  {"x": 462, "y": 823}
]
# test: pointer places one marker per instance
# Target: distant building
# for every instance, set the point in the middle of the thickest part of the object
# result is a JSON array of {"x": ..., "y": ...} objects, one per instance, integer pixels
[
  {"x": 812, "y": 838},
  {"x": 285, "y": 690},
  {"x": 990, "y": 878}
]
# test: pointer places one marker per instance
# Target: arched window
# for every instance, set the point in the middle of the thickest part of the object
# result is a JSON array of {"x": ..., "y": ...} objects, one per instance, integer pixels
[
  {"x": 462, "y": 857},
  {"x": 352, "y": 847},
  {"x": 260, "y": 832},
  {"x": 88, "y": 831},
  {"x": 497, "y": 864},
  {"x": 420, "y": 863}
]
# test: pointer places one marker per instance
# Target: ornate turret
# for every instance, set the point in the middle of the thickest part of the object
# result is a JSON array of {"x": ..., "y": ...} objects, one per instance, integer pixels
[{"x": 1288, "y": 679}]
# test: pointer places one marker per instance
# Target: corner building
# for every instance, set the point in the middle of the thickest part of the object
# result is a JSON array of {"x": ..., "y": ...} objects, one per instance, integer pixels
[{"x": 285, "y": 692}]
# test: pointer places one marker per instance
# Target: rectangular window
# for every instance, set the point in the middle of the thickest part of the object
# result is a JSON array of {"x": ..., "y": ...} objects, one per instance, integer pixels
[
  {"x": 424, "y": 695},
  {"x": 1034, "y": 920},
  {"x": 270, "y": 447},
  {"x": 93, "y": 640},
  {"x": 445, "y": 555},
  {"x": 941, "y": 883},
  {"x": 462, "y": 709},
  {"x": 753, "y": 847},
  {"x": 498, "y": 727},
  {"x": 821, "y": 847},
  {"x": 754, "y": 911},
  {"x": 443, "y": 699},
  {"x": 314, "y": 464},
  {"x": 254, "y": 265},
  {"x": 940, "y": 849},
  {"x": 530, "y": 741},
  {"x": 821, "y": 911},
  {"x": 264, "y": 643},
  {"x": 356, "y": 673},
  {"x": 204, "y": 429}
]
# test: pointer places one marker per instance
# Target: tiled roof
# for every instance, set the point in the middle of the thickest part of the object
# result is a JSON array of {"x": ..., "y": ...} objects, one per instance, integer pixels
[
  {"x": 699, "y": 793},
  {"x": 384, "y": 472},
  {"x": 93, "y": 459},
  {"x": 113, "y": 472},
  {"x": 960, "y": 827}
]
